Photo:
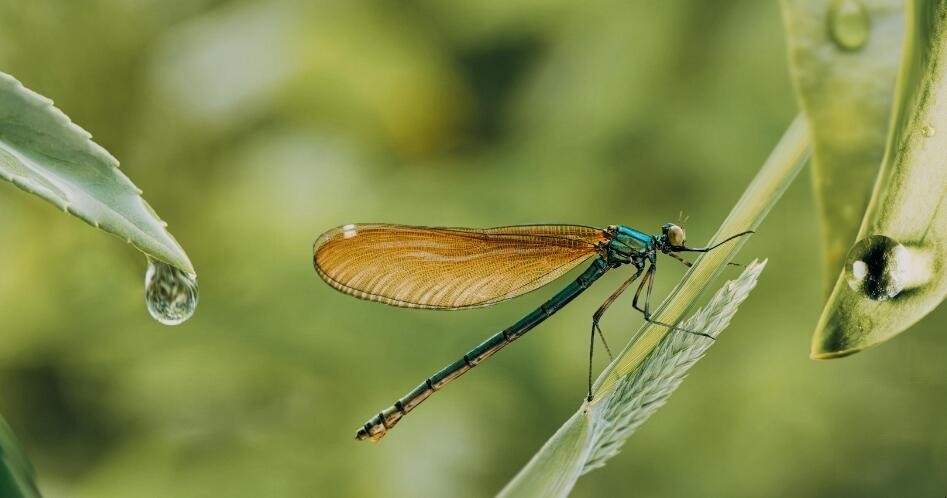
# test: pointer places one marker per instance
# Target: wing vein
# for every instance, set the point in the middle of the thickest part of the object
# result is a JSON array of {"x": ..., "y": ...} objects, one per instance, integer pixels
[{"x": 449, "y": 268}]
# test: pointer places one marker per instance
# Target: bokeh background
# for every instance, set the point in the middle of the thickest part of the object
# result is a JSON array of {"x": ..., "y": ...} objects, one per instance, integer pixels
[{"x": 252, "y": 126}]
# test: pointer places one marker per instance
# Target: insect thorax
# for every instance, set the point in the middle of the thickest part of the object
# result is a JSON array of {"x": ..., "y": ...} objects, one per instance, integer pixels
[{"x": 628, "y": 244}]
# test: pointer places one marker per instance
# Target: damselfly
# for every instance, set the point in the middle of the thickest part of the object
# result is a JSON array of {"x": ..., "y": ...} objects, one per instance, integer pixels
[{"x": 461, "y": 268}]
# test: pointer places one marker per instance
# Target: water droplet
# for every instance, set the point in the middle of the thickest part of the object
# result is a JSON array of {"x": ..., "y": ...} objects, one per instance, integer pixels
[
  {"x": 170, "y": 293},
  {"x": 848, "y": 24},
  {"x": 928, "y": 131},
  {"x": 881, "y": 268}
]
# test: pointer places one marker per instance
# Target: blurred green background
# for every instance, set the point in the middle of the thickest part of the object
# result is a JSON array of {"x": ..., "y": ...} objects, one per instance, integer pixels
[{"x": 252, "y": 126}]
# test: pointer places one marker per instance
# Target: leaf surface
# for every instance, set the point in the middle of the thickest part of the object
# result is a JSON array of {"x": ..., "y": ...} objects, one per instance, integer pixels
[
  {"x": 44, "y": 153},
  {"x": 897, "y": 271},
  {"x": 843, "y": 59}
]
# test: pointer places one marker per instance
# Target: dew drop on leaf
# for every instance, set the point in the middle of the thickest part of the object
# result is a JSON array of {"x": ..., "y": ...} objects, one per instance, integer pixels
[
  {"x": 928, "y": 131},
  {"x": 170, "y": 293},
  {"x": 848, "y": 24},
  {"x": 881, "y": 268}
]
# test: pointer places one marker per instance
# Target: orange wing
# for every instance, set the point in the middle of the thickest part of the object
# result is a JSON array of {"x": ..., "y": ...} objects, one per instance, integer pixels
[{"x": 449, "y": 268}]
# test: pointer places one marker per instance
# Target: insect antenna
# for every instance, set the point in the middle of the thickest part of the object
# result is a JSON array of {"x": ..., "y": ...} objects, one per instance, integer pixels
[{"x": 682, "y": 218}]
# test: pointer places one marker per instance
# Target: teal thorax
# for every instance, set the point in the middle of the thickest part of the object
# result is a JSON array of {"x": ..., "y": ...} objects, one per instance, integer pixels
[{"x": 628, "y": 245}]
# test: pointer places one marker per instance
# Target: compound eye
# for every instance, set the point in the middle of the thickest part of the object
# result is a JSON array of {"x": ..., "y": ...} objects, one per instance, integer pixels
[{"x": 675, "y": 235}]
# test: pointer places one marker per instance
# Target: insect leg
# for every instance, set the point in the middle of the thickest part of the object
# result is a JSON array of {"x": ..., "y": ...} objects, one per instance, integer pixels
[
  {"x": 689, "y": 264},
  {"x": 647, "y": 300},
  {"x": 608, "y": 302},
  {"x": 682, "y": 260},
  {"x": 595, "y": 328},
  {"x": 634, "y": 303},
  {"x": 649, "y": 278}
]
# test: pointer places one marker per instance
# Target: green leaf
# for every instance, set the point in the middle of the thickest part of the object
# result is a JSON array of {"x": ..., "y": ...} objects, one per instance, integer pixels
[
  {"x": 553, "y": 471},
  {"x": 767, "y": 187},
  {"x": 895, "y": 273},
  {"x": 575, "y": 448},
  {"x": 620, "y": 412},
  {"x": 843, "y": 59},
  {"x": 16, "y": 472},
  {"x": 598, "y": 430},
  {"x": 44, "y": 153}
]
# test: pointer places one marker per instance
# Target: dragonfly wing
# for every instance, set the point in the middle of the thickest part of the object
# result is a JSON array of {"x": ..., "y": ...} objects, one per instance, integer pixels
[{"x": 449, "y": 268}]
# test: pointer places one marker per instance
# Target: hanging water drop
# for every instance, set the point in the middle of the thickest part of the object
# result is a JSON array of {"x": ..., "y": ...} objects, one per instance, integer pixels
[
  {"x": 928, "y": 131},
  {"x": 881, "y": 268},
  {"x": 170, "y": 293},
  {"x": 848, "y": 24}
]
